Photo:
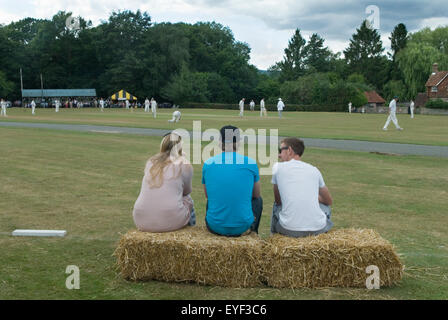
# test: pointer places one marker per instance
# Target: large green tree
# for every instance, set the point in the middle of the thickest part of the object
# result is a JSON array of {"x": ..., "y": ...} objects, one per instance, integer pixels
[
  {"x": 317, "y": 57},
  {"x": 128, "y": 51},
  {"x": 437, "y": 38},
  {"x": 293, "y": 64},
  {"x": 416, "y": 64},
  {"x": 398, "y": 40},
  {"x": 6, "y": 86},
  {"x": 364, "y": 55},
  {"x": 423, "y": 49}
]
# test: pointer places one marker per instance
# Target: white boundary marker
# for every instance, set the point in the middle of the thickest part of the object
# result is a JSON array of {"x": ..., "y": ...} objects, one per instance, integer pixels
[{"x": 39, "y": 233}]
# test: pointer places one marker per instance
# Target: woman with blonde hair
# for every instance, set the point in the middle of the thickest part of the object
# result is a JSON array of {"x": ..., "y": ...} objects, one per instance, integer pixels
[{"x": 164, "y": 203}]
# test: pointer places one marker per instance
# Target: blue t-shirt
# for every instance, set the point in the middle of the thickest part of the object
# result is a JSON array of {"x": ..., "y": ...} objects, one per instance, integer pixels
[{"x": 229, "y": 179}]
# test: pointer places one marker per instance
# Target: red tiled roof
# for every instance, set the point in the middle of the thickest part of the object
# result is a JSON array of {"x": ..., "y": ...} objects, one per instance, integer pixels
[
  {"x": 434, "y": 79},
  {"x": 373, "y": 97}
]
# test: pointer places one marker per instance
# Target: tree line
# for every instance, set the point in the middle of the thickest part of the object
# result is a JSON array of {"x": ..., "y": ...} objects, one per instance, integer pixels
[{"x": 203, "y": 62}]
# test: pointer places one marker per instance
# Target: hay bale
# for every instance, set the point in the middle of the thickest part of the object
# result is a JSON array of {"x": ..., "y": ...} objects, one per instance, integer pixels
[
  {"x": 335, "y": 259},
  {"x": 191, "y": 254}
]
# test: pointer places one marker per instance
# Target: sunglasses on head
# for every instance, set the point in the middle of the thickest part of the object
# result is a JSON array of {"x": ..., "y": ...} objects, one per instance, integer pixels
[{"x": 282, "y": 148}]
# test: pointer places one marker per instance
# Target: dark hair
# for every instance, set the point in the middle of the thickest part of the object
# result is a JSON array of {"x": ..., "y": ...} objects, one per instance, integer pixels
[
  {"x": 296, "y": 145},
  {"x": 229, "y": 134}
]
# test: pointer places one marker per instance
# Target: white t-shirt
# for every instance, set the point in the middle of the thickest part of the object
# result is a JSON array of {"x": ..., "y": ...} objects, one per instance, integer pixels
[
  {"x": 299, "y": 183},
  {"x": 280, "y": 106},
  {"x": 393, "y": 105},
  {"x": 153, "y": 104},
  {"x": 262, "y": 104},
  {"x": 241, "y": 105}
]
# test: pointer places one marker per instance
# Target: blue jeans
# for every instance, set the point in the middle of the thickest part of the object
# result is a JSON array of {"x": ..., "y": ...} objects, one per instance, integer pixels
[
  {"x": 192, "y": 221},
  {"x": 276, "y": 227}
]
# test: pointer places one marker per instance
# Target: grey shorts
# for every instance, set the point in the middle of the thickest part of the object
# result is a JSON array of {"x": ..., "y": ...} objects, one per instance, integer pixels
[{"x": 276, "y": 227}]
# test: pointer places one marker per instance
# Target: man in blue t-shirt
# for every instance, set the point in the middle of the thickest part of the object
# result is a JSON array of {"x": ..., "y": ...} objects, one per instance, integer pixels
[{"x": 232, "y": 188}]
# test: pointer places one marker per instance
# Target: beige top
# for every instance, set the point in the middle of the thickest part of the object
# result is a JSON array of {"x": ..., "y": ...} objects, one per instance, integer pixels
[{"x": 166, "y": 208}]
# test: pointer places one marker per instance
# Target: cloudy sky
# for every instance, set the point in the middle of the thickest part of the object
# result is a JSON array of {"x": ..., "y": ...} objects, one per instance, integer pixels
[{"x": 266, "y": 25}]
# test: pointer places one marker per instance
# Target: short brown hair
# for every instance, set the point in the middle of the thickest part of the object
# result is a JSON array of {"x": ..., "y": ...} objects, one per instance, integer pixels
[{"x": 296, "y": 145}]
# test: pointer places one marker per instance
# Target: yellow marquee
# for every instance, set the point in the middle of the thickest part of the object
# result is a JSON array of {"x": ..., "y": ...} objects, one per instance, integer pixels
[{"x": 123, "y": 95}]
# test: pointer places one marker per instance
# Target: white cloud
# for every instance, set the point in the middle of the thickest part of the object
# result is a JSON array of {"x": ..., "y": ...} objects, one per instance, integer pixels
[{"x": 434, "y": 22}]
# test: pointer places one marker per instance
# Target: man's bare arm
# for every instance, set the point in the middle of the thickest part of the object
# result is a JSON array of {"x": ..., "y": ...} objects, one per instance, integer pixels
[
  {"x": 325, "y": 196},
  {"x": 277, "y": 198},
  {"x": 205, "y": 191}
]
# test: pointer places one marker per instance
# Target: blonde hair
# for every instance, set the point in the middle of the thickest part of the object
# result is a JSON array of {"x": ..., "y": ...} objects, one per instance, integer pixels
[{"x": 170, "y": 153}]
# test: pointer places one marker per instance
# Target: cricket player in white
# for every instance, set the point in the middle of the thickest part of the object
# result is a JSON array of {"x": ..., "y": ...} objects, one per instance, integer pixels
[
  {"x": 154, "y": 107},
  {"x": 349, "y": 107},
  {"x": 102, "y": 105},
  {"x": 146, "y": 105},
  {"x": 242, "y": 107},
  {"x": 33, "y": 107},
  {"x": 3, "y": 105},
  {"x": 411, "y": 107},
  {"x": 280, "y": 107},
  {"x": 176, "y": 116},
  {"x": 252, "y": 105},
  {"x": 392, "y": 116},
  {"x": 127, "y": 104},
  {"x": 57, "y": 104},
  {"x": 262, "y": 108}
]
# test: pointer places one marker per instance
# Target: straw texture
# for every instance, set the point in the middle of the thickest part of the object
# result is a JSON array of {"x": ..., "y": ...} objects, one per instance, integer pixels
[
  {"x": 338, "y": 258},
  {"x": 191, "y": 254}
]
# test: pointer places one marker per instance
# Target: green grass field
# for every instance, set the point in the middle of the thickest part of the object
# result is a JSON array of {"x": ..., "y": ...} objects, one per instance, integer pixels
[
  {"x": 87, "y": 183},
  {"x": 430, "y": 130}
]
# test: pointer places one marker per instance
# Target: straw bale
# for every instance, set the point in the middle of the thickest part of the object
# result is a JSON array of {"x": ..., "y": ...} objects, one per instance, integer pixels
[
  {"x": 335, "y": 259},
  {"x": 191, "y": 254}
]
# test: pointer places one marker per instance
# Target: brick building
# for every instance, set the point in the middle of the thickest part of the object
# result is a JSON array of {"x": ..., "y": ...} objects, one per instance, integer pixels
[
  {"x": 437, "y": 84},
  {"x": 374, "y": 99}
]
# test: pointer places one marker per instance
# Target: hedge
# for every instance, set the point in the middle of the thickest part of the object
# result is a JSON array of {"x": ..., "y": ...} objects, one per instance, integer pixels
[
  {"x": 288, "y": 107},
  {"x": 437, "y": 104}
]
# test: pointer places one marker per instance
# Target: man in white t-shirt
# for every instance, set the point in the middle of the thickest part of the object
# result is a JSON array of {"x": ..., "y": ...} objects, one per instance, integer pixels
[
  {"x": 154, "y": 107},
  {"x": 280, "y": 107},
  {"x": 241, "y": 104},
  {"x": 252, "y": 105},
  {"x": 147, "y": 105},
  {"x": 392, "y": 116},
  {"x": 262, "y": 108},
  {"x": 176, "y": 116},
  {"x": 102, "y": 105},
  {"x": 57, "y": 105},
  {"x": 302, "y": 200},
  {"x": 3, "y": 106},
  {"x": 33, "y": 107},
  {"x": 411, "y": 109}
]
